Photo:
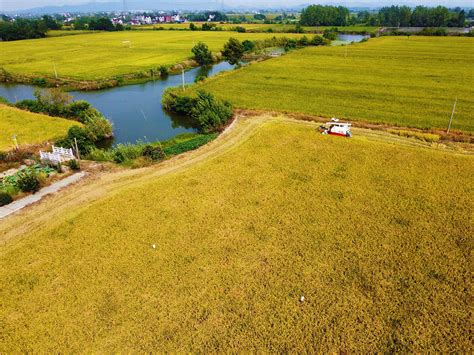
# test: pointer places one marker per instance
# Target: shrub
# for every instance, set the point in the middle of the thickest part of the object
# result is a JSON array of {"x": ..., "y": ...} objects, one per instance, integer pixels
[
  {"x": 84, "y": 140},
  {"x": 124, "y": 152},
  {"x": 154, "y": 153},
  {"x": 180, "y": 104},
  {"x": 210, "y": 113},
  {"x": 5, "y": 199},
  {"x": 98, "y": 128},
  {"x": 202, "y": 54},
  {"x": 290, "y": 44},
  {"x": 100, "y": 155},
  {"x": 28, "y": 181},
  {"x": 303, "y": 41},
  {"x": 330, "y": 35},
  {"x": 248, "y": 45},
  {"x": 240, "y": 29},
  {"x": 319, "y": 41},
  {"x": 164, "y": 71},
  {"x": 73, "y": 164},
  {"x": 200, "y": 78}
]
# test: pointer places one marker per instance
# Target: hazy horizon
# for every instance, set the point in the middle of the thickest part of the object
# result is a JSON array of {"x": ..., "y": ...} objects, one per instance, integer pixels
[{"x": 12, "y": 5}]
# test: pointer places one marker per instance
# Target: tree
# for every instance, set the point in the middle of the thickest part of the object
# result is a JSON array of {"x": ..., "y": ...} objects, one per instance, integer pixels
[
  {"x": 319, "y": 15},
  {"x": 51, "y": 23},
  {"x": 202, "y": 54},
  {"x": 259, "y": 17},
  {"x": 22, "y": 29},
  {"x": 233, "y": 51}
]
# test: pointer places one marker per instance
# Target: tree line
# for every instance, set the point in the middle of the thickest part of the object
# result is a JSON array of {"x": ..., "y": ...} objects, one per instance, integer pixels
[
  {"x": 17, "y": 29},
  {"x": 421, "y": 16},
  {"x": 390, "y": 16},
  {"x": 26, "y": 28}
]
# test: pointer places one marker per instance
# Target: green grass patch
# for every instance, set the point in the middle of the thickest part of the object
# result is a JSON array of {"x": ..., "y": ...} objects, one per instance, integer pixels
[
  {"x": 376, "y": 236},
  {"x": 394, "y": 80},
  {"x": 189, "y": 144},
  {"x": 30, "y": 128}
]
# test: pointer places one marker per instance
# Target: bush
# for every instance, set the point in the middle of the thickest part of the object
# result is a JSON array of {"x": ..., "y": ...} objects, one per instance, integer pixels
[
  {"x": 84, "y": 140},
  {"x": 154, "y": 153},
  {"x": 164, "y": 71},
  {"x": 202, "y": 54},
  {"x": 319, "y": 41},
  {"x": 179, "y": 104},
  {"x": 240, "y": 29},
  {"x": 200, "y": 78},
  {"x": 248, "y": 45},
  {"x": 210, "y": 113},
  {"x": 98, "y": 154},
  {"x": 5, "y": 199},
  {"x": 73, "y": 164},
  {"x": 303, "y": 41},
  {"x": 125, "y": 152},
  {"x": 28, "y": 181},
  {"x": 330, "y": 35}
]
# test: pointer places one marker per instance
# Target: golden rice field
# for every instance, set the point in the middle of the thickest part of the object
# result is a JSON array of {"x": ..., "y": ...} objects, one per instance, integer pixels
[
  {"x": 107, "y": 54},
  {"x": 376, "y": 236},
  {"x": 395, "y": 80},
  {"x": 261, "y": 27},
  {"x": 30, "y": 128}
]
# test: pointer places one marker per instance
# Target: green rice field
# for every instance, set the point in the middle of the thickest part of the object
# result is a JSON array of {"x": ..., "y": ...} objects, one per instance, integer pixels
[{"x": 401, "y": 81}]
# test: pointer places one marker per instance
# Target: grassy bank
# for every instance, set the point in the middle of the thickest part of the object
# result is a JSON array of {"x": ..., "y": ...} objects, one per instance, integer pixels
[
  {"x": 374, "y": 235},
  {"x": 395, "y": 80},
  {"x": 30, "y": 128},
  {"x": 100, "y": 56}
]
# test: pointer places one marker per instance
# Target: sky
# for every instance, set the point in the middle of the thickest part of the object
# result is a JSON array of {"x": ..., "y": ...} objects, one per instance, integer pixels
[{"x": 9, "y": 5}]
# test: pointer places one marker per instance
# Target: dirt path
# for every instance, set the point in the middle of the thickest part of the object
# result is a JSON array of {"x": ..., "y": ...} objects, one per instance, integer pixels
[{"x": 55, "y": 208}]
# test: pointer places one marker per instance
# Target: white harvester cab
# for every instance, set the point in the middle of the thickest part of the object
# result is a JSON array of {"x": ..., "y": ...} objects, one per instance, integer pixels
[{"x": 337, "y": 128}]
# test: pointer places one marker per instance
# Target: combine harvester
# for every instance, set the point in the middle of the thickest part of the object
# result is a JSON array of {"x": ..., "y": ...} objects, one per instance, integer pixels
[{"x": 337, "y": 128}]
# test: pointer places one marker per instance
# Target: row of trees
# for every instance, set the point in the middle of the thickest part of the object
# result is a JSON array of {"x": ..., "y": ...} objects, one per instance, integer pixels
[
  {"x": 27, "y": 29},
  {"x": 96, "y": 23},
  {"x": 392, "y": 16},
  {"x": 421, "y": 16}
]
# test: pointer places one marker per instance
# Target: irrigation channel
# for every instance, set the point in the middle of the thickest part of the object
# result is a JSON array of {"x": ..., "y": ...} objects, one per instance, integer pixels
[{"x": 135, "y": 110}]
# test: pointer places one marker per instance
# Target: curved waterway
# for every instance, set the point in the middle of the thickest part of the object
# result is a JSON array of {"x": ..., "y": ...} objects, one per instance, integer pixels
[{"x": 134, "y": 110}]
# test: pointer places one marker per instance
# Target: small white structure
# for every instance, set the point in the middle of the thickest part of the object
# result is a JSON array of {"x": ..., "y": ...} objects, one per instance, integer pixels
[
  {"x": 59, "y": 155},
  {"x": 337, "y": 128}
]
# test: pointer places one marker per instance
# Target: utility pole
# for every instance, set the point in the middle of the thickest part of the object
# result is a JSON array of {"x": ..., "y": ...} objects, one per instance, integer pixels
[
  {"x": 452, "y": 114},
  {"x": 182, "y": 74},
  {"x": 55, "y": 71},
  {"x": 15, "y": 141}
]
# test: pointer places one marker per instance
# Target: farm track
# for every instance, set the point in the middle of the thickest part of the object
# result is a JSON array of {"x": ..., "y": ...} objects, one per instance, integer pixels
[{"x": 104, "y": 183}]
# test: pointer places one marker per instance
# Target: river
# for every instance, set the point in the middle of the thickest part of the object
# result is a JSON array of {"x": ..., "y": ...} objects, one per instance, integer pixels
[{"x": 135, "y": 110}]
